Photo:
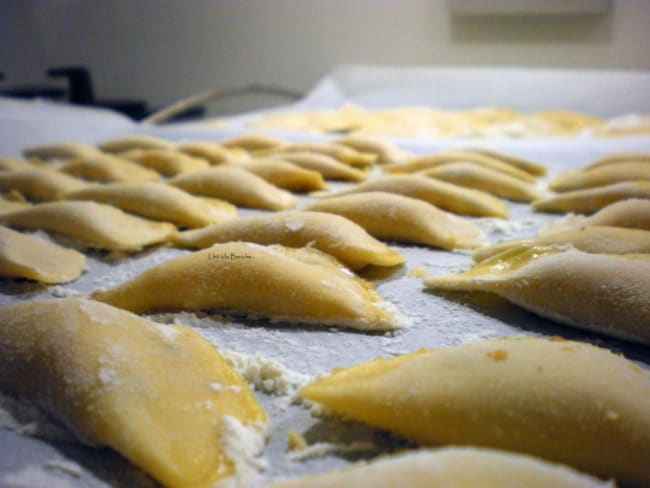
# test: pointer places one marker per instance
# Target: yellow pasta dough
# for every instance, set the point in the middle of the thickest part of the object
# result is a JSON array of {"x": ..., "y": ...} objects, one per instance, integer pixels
[
  {"x": 285, "y": 175},
  {"x": 237, "y": 186},
  {"x": 454, "y": 198},
  {"x": 396, "y": 217},
  {"x": 62, "y": 150},
  {"x": 523, "y": 164},
  {"x": 451, "y": 467},
  {"x": 165, "y": 162},
  {"x": 339, "y": 152},
  {"x": 304, "y": 286},
  {"x": 386, "y": 152},
  {"x": 10, "y": 205},
  {"x": 620, "y": 158},
  {"x": 109, "y": 169},
  {"x": 472, "y": 175},
  {"x": 327, "y": 166},
  {"x": 158, "y": 201},
  {"x": 39, "y": 183},
  {"x": 590, "y": 200},
  {"x": 254, "y": 142},
  {"x": 563, "y": 401},
  {"x": 13, "y": 164},
  {"x": 633, "y": 214},
  {"x": 332, "y": 234},
  {"x": 91, "y": 224},
  {"x": 604, "y": 293},
  {"x": 212, "y": 152},
  {"x": 33, "y": 259},
  {"x": 596, "y": 239},
  {"x": 144, "y": 389},
  {"x": 432, "y": 160},
  {"x": 129, "y": 143},
  {"x": 601, "y": 175}
]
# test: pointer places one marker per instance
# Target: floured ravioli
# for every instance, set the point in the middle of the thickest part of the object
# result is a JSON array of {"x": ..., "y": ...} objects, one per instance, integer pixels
[
  {"x": 472, "y": 175},
  {"x": 212, "y": 152},
  {"x": 590, "y": 200},
  {"x": 254, "y": 142},
  {"x": 165, "y": 162},
  {"x": 604, "y": 293},
  {"x": 399, "y": 218},
  {"x": 454, "y": 198},
  {"x": 109, "y": 169},
  {"x": 62, "y": 150},
  {"x": 601, "y": 175},
  {"x": 304, "y": 286},
  {"x": 39, "y": 183},
  {"x": 30, "y": 258},
  {"x": 91, "y": 224},
  {"x": 285, "y": 175},
  {"x": 237, "y": 186},
  {"x": 531, "y": 167},
  {"x": 129, "y": 143},
  {"x": 341, "y": 153},
  {"x": 331, "y": 234},
  {"x": 620, "y": 158},
  {"x": 7, "y": 163},
  {"x": 451, "y": 467},
  {"x": 632, "y": 214},
  {"x": 160, "y": 395},
  {"x": 386, "y": 152},
  {"x": 563, "y": 401},
  {"x": 327, "y": 166}
]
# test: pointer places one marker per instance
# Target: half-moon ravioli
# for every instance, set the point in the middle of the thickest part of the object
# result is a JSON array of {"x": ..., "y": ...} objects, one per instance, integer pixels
[
  {"x": 454, "y": 198},
  {"x": 590, "y": 200},
  {"x": 396, "y": 217},
  {"x": 91, "y": 224},
  {"x": 633, "y": 214},
  {"x": 339, "y": 152},
  {"x": 212, "y": 152},
  {"x": 237, "y": 186},
  {"x": 451, "y": 467},
  {"x": 604, "y": 293},
  {"x": 62, "y": 150},
  {"x": 7, "y": 163},
  {"x": 285, "y": 175},
  {"x": 144, "y": 389},
  {"x": 165, "y": 162},
  {"x": 472, "y": 175},
  {"x": 109, "y": 169},
  {"x": 620, "y": 158},
  {"x": 598, "y": 239},
  {"x": 140, "y": 141},
  {"x": 563, "y": 401},
  {"x": 26, "y": 257},
  {"x": 254, "y": 142},
  {"x": 601, "y": 175},
  {"x": 327, "y": 166},
  {"x": 158, "y": 201},
  {"x": 521, "y": 163},
  {"x": 39, "y": 183},
  {"x": 386, "y": 152},
  {"x": 331, "y": 234},
  {"x": 304, "y": 286}
]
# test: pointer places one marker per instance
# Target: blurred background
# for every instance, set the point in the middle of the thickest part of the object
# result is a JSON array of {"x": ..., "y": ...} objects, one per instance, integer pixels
[{"x": 153, "y": 52}]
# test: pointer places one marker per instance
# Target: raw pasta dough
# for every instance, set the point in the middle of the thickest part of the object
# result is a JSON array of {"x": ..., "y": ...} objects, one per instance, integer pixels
[
  {"x": 386, "y": 152},
  {"x": 254, "y": 142},
  {"x": 62, "y": 150},
  {"x": 304, "y": 286},
  {"x": 339, "y": 152},
  {"x": 396, "y": 217},
  {"x": 334, "y": 235},
  {"x": 165, "y": 162},
  {"x": 212, "y": 152},
  {"x": 449, "y": 468},
  {"x": 39, "y": 183},
  {"x": 564, "y": 401},
  {"x": 26, "y": 257},
  {"x": 632, "y": 214},
  {"x": 605, "y": 293},
  {"x": 592, "y": 199},
  {"x": 92, "y": 225},
  {"x": 158, "y": 202},
  {"x": 285, "y": 175},
  {"x": 447, "y": 196},
  {"x": 109, "y": 169},
  {"x": 535, "y": 169},
  {"x": 601, "y": 175},
  {"x": 327, "y": 166},
  {"x": 117, "y": 380},
  {"x": 235, "y": 185},
  {"x": 128, "y": 143}
]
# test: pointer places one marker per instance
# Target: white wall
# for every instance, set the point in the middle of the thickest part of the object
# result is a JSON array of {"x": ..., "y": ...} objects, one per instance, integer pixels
[{"x": 165, "y": 49}]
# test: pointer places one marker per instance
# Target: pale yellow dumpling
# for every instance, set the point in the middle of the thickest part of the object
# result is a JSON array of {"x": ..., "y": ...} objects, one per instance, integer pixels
[
  {"x": 386, "y": 152},
  {"x": 109, "y": 169},
  {"x": 327, "y": 166},
  {"x": 289, "y": 285},
  {"x": 332, "y": 234},
  {"x": 451, "y": 467},
  {"x": 91, "y": 224},
  {"x": 27, "y": 257},
  {"x": 140, "y": 141},
  {"x": 597, "y": 239},
  {"x": 164, "y": 161},
  {"x": 158, "y": 201},
  {"x": 604, "y": 293},
  {"x": 39, "y": 183},
  {"x": 285, "y": 175},
  {"x": 116, "y": 380},
  {"x": 620, "y": 158},
  {"x": 62, "y": 150},
  {"x": 254, "y": 142},
  {"x": 9, "y": 204},
  {"x": 454, "y": 198},
  {"x": 472, "y": 175},
  {"x": 563, "y": 401},
  {"x": 236, "y": 185},
  {"x": 399, "y": 218},
  {"x": 7, "y": 163},
  {"x": 601, "y": 175},
  {"x": 633, "y": 213},
  {"x": 535, "y": 169},
  {"x": 339, "y": 152},
  {"x": 212, "y": 152},
  {"x": 590, "y": 200}
]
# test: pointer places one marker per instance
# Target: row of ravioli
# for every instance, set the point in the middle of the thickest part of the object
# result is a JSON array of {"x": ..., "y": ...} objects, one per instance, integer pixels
[{"x": 507, "y": 412}]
